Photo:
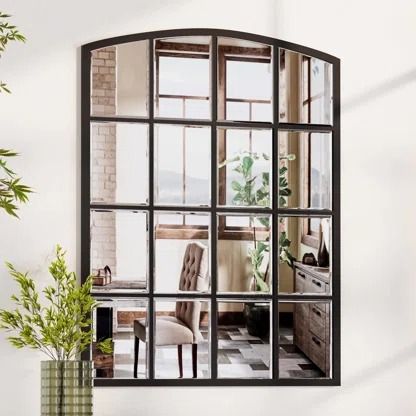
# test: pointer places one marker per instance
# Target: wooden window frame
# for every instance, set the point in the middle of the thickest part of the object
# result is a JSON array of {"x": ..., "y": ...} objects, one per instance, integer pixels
[{"x": 226, "y": 53}]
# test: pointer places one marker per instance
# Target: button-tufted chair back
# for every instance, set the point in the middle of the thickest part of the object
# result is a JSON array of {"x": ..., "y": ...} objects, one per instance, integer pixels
[{"x": 194, "y": 277}]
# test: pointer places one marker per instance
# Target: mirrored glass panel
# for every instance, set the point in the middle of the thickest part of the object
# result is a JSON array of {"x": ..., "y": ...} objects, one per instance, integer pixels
[
  {"x": 182, "y": 339},
  {"x": 305, "y": 339},
  {"x": 118, "y": 319},
  {"x": 119, "y": 163},
  {"x": 244, "y": 166},
  {"x": 182, "y": 258},
  {"x": 119, "y": 80},
  {"x": 244, "y": 338},
  {"x": 305, "y": 89},
  {"x": 305, "y": 170},
  {"x": 182, "y": 165},
  {"x": 243, "y": 258},
  {"x": 305, "y": 247},
  {"x": 244, "y": 80},
  {"x": 118, "y": 251},
  {"x": 182, "y": 77}
]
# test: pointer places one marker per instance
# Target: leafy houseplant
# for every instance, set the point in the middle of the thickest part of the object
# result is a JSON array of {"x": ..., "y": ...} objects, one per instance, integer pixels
[
  {"x": 12, "y": 191},
  {"x": 61, "y": 329},
  {"x": 250, "y": 191}
]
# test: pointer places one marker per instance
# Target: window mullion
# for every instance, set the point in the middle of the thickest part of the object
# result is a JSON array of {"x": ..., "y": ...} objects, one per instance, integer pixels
[{"x": 214, "y": 202}]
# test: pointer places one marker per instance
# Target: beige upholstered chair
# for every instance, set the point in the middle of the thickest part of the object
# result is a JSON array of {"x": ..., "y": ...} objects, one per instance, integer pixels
[{"x": 183, "y": 328}]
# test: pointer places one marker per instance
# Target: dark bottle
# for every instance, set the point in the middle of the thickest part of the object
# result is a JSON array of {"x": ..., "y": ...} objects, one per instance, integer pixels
[{"x": 323, "y": 254}]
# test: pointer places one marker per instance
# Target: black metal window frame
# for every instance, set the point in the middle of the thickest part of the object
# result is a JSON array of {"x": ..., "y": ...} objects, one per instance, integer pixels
[{"x": 275, "y": 211}]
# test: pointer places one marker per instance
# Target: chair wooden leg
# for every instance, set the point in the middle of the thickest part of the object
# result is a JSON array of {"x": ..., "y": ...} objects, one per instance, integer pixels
[
  {"x": 136, "y": 355},
  {"x": 180, "y": 361},
  {"x": 195, "y": 360}
]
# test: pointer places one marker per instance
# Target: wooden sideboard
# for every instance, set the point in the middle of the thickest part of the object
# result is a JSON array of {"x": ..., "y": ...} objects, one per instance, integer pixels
[{"x": 312, "y": 320}]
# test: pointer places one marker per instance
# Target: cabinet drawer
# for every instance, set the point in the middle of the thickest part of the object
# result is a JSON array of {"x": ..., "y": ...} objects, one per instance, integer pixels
[
  {"x": 300, "y": 281},
  {"x": 316, "y": 286},
  {"x": 317, "y": 351},
  {"x": 317, "y": 322}
]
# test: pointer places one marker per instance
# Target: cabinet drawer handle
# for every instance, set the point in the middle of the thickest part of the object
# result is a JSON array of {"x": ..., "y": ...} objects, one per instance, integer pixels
[
  {"x": 302, "y": 275},
  {"x": 316, "y": 312},
  {"x": 316, "y": 341},
  {"x": 315, "y": 282}
]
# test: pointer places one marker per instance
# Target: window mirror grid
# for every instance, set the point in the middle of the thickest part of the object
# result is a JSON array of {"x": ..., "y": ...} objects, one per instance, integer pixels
[{"x": 212, "y": 210}]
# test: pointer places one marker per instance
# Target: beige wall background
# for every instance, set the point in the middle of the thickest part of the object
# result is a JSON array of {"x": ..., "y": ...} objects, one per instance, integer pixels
[{"x": 375, "y": 41}]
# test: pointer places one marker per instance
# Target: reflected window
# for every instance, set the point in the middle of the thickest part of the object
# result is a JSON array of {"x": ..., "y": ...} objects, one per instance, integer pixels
[
  {"x": 182, "y": 165},
  {"x": 305, "y": 89},
  {"x": 182, "y": 78},
  {"x": 244, "y": 80}
]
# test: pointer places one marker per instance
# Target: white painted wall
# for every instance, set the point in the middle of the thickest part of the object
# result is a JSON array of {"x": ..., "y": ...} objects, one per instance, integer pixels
[{"x": 375, "y": 41}]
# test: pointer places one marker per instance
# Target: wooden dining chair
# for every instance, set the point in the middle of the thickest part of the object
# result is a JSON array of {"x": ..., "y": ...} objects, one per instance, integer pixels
[{"x": 182, "y": 328}]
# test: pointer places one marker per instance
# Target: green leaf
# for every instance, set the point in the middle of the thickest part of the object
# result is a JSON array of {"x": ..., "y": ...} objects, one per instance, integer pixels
[
  {"x": 247, "y": 164},
  {"x": 235, "y": 186}
]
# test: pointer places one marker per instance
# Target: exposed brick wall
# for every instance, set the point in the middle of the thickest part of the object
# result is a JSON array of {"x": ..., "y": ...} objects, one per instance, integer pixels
[
  {"x": 103, "y": 158},
  {"x": 103, "y": 92}
]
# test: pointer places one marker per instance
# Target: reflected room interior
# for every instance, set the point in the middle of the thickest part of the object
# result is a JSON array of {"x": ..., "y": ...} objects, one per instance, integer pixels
[{"x": 183, "y": 239}]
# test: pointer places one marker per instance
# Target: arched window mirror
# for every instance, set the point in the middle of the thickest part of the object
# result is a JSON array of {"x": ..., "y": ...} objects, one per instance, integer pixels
[{"x": 211, "y": 209}]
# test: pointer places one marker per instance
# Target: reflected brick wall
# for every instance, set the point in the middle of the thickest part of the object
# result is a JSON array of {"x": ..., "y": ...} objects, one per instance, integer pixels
[{"x": 103, "y": 157}]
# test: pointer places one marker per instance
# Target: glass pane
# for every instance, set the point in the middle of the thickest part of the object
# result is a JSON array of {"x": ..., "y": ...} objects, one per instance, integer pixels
[
  {"x": 120, "y": 320},
  {"x": 244, "y": 80},
  {"x": 119, "y": 163},
  {"x": 244, "y": 339},
  {"x": 182, "y": 166},
  {"x": 119, "y": 80},
  {"x": 305, "y": 89},
  {"x": 182, "y": 74},
  {"x": 182, "y": 252},
  {"x": 118, "y": 251},
  {"x": 171, "y": 107},
  {"x": 244, "y": 254},
  {"x": 305, "y": 339},
  {"x": 244, "y": 157},
  {"x": 182, "y": 335},
  {"x": 305, "y": 170},
  {"x": 305, "y": 255}
]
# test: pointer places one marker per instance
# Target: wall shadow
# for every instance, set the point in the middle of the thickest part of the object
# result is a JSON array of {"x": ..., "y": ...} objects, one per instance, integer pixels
[{"x": 379, "y": 90}]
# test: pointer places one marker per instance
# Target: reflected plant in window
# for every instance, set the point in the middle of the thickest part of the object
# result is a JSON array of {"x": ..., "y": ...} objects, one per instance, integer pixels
[{"x": 249, "y": 191}]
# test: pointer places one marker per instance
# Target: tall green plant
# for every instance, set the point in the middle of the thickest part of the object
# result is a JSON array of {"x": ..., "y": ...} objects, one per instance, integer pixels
[
  {"x": 12, "y": 191},
  {"x": 249, "y": 191},
  {"x": 62, "y": 328}
]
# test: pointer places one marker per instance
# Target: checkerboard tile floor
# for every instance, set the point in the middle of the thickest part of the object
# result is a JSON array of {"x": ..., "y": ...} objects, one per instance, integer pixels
[{"x": 240, "y": 355}]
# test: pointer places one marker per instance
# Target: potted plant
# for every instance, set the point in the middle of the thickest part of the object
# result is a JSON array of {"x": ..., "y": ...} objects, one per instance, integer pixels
[
  {"x": 57, "y": 322},
  {"x": 248, "y": 192}
]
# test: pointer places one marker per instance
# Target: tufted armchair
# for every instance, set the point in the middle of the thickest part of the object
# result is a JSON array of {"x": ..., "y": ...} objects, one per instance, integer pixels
[{"x": 183, "y": 328}]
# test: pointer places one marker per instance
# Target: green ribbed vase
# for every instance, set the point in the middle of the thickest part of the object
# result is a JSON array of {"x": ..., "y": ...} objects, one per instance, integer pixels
[{"x": 66, "y": 388}]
